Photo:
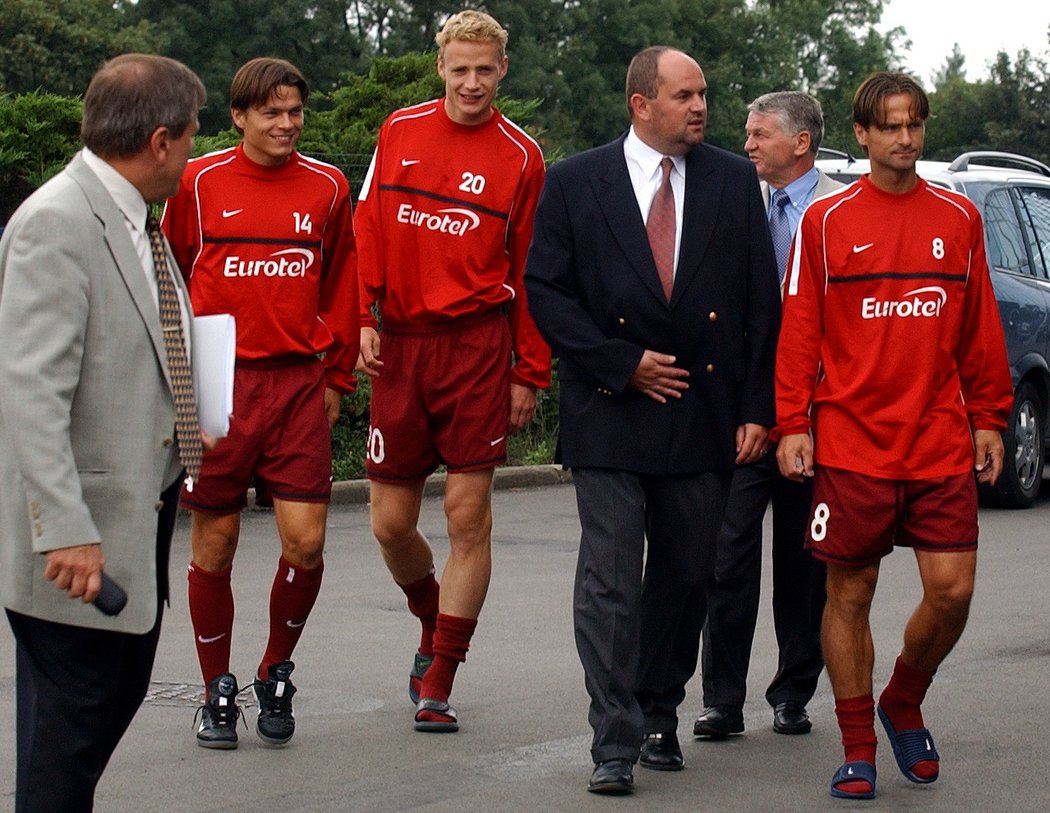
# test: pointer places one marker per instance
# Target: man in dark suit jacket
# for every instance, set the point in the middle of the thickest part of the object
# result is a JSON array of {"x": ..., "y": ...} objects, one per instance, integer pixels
[
  {"x": 89, "y": 465},
  {"x": 665, "y": 384},
  {"x": 784, "y": 131}
]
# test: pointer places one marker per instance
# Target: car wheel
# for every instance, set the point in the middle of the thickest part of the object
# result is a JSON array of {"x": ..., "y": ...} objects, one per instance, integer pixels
[{"x": 1023, "y": 463}]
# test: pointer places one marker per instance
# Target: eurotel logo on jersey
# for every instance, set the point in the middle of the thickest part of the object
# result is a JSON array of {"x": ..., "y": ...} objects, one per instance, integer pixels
[
  {"x": 289, "y": 262},
  {"x": 456, "y": 222},
  {"x": 920, "y": 303}
]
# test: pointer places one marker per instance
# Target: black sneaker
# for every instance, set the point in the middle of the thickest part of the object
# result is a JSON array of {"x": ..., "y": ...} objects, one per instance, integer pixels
[
  {"x": 276, "y": 723},
  {"x": 218, "y": 728}
]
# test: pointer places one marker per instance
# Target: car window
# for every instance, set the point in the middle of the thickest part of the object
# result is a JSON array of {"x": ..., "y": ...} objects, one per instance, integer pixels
[
  {"x": 1004, "y": 244},
  {"x": 1036, "y": 203}
]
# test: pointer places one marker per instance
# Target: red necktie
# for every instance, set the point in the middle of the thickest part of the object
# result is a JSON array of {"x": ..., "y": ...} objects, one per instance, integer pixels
[{"x": 661, "y": 229}]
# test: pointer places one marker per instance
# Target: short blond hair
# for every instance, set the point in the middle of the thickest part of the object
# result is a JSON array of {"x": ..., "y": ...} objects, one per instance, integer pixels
[{"x": 472, "y": 26}]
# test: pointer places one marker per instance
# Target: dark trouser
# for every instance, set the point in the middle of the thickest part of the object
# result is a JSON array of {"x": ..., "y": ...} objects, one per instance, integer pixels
[
  {"x": 798, "y": 590},
  {"x": 77, "y": 691},
  {"x": 638, "y": 635}
]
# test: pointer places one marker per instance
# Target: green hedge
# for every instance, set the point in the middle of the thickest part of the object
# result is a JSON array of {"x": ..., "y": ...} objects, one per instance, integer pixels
[
  {"x": 39, "y": 133},
  {"x": 533, "y": 445}
]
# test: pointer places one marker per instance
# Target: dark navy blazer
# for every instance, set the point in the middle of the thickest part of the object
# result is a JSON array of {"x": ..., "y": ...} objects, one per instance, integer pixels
[{"x": 595, "y": 294}]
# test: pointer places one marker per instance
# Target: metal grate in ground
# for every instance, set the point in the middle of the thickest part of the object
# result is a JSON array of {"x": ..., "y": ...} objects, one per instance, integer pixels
[{"x": 189, "y": 695}]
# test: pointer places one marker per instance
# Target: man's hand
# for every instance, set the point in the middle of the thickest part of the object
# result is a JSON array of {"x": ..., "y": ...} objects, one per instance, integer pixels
[
  {"x": 988, "y": 456},
  {"x": 368, "y": 359},
  {"x": 76, "y": 570},
  {"x": 522, "y": 406},
  {"x": 752, "y": 441},
  {"x": 333, "y": 400},
  {"x": 656, "y": 377},
  {"x": 795, "y": 456}
]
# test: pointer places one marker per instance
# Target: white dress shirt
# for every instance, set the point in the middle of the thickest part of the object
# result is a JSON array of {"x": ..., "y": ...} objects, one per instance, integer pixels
[{"x": 643, "y": 165}]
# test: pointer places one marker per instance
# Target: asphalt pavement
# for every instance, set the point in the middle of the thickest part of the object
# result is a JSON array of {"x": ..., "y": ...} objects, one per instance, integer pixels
[{"x": 524, "y": 739}]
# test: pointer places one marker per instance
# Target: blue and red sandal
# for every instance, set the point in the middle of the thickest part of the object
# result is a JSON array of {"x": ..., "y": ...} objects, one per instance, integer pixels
[
  {"x": 910, "y": 747},
  {"x": 853, "y": 772}
]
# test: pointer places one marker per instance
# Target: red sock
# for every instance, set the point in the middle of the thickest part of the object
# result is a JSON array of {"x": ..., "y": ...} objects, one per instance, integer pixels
[
  {"x": 210, "y": 598},
  {"x": 451, "y": 642},
  {"x": 901, "y": 700},
  {"x": 856, "y": 717},
  {"x": 292, "y": 597},
  {"x": 423, "y": 604}
]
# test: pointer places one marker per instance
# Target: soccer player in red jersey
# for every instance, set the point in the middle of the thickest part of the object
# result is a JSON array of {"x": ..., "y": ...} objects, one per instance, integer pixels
[
  {"x": 444, "y": 223},
  {"x": 266, "y": 234},
  {"x": 892, "y": 388}
]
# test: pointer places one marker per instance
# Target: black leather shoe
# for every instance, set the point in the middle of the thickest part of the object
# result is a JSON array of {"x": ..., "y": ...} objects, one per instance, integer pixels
[
  {"x": 791, "y": 717},
  {"x": 612, "y": 776},
  {"x": 718, "y": 722},
  {"x": 661, "y": 752}
]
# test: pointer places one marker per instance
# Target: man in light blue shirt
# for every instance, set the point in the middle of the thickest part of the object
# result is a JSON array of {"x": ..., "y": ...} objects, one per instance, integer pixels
[{"x": 784, "y": 131}]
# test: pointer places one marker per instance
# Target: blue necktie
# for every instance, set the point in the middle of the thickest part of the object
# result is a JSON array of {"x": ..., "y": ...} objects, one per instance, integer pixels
[{"x": 780, "y": 230}]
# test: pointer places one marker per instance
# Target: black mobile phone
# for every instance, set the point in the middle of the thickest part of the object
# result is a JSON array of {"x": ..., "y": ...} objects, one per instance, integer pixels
[{"x": 111, "y": 598}]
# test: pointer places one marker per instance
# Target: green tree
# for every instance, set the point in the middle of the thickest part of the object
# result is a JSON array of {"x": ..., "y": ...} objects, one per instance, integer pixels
[
  {"x": 57, "y": 45},
  {"x": 39, "y": 132},
  {"x": 1009, "y": 111},
  {"x": 215, "y": 38},
  {"x": 953, "y": 70}
]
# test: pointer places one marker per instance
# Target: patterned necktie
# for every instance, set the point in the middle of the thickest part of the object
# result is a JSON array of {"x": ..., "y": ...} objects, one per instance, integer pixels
[
  {"x": 780, "y": 230},
  {"x": 187, "y": 429},
  {"x": 661, "y": 229}
]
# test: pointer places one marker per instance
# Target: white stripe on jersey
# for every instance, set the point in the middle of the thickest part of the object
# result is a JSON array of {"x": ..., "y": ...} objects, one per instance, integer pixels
[
  {"x": 948, "y": 195},
  {"x": 325, "y": 171},
  {"x": 414, "y": 112},
  {"x": 791, "y": 289},
  {"x": 197, "y": 202},
  {"x": 368, "y": 177}
]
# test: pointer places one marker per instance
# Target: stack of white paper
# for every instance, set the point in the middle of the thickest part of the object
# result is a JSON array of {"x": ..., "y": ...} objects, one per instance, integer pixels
[{"x": 214, "y": 353}]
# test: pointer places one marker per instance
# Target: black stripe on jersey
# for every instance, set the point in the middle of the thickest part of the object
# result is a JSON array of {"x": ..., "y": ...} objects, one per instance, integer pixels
[
  {"x": 265, "y": 241},
  {"x": 901, "y": 275},
  {"x": 444, "y": 199}
]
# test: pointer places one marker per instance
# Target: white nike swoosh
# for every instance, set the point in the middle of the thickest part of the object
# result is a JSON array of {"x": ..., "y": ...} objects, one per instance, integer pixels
[
  {"x": 294, "y": 626},
  {"x": 212, "y": 640},
  {"x": 497, "y": 440},
  {"x": 407, "y": 162},
  {"x": 849, "y": 771},
  {"x": 858, "y": 249},
  {"x": 231, "y": 212}
]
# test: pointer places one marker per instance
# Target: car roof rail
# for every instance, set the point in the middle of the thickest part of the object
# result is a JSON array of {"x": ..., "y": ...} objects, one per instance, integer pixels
[
  {"x": 827, "y": 152},
  {"x": 992, "y": 158}
]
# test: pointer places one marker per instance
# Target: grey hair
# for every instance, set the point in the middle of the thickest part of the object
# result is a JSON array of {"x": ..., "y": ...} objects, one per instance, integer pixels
[{"x": 797, "y": 112}]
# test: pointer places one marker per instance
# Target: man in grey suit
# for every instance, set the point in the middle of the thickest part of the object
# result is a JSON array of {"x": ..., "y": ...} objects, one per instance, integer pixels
[
  {"x": 89, "y": 466},
  {"x": 784, "y": 131},
  {"x": 666, "y": 337}
]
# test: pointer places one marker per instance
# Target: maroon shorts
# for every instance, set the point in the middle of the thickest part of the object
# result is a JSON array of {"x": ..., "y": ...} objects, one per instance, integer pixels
[
  {"x": 856, "y": 520},
  {"x": 443, "y": 396},
  {"x": 279, "y": 432}
]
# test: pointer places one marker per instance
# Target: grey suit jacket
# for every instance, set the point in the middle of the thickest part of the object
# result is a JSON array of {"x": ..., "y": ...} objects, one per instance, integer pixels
[
  {"x": 825, "y": 185},
  {"x": 86, "y": 408}
]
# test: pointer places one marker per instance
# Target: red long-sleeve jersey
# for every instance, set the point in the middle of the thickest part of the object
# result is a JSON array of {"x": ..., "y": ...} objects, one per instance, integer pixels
[
  {"x": 891, "y": 347},
  {"x": 444, "y": 222},
  {"x": 275, "y": 247}
]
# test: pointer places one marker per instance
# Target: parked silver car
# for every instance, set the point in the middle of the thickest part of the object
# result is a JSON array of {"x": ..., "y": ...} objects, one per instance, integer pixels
[{"x": 1013, "y": 195}]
